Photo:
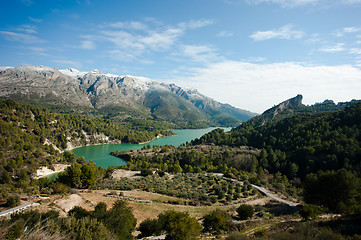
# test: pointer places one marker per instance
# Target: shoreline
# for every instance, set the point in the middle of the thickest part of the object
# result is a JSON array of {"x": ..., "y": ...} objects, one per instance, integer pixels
[
  {"x": 140, "y": 143},
  {"x": 156, "y": 137},
  {"x": 45, "y": 171},
  {"x": 119, "y": 142},
  {"x": 95, "y": 144}
]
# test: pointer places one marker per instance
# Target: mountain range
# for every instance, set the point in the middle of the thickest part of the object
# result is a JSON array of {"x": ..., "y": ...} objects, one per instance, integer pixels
[{"x": 116, "y": 96}]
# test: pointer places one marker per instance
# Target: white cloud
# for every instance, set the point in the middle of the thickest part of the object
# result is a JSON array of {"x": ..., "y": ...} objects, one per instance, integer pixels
[
  {"x": 225, "y": 34},
  {"x": 129, "y": 25},
  {"x": 28, "y": 29},
  {"x": 161, "y": 40},
  {"x": 121, "y": 40},
  {"x": 199, "y": 53},
  {"x": 38, "y": 50},
  {"x": 37, "y": 20},
  {"x": 301, "y": 3},
  {"x": 87, "y": 44},
  {"x": 20, "y": 37},
  {"x": 356, "y": 51},
  {"x": 131, "y": 40},
  {"x": 67, "y": 63},
  {"x": 334, "y": 48},
  {"x": 193, "y": 24},
  {"x": 257, "y": 87},
  {"x": 346, "y": 30},
  {"x": 351, "y": 1},
  {"x": 284, "y": 3},
  {"x": 285, "y": 32}
]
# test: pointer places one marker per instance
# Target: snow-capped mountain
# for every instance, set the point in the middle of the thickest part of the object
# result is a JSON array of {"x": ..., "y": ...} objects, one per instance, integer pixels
[{"x": 128, "y": 95}]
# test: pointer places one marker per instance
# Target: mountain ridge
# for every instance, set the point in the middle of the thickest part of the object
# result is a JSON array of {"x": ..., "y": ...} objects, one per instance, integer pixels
[
  {"x": 294, "y": 106},
  {"x": 95, "y": 90}
]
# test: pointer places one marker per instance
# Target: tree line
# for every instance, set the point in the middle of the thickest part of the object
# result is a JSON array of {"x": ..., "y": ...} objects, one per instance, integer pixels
[{"x": 31, "y": 137}]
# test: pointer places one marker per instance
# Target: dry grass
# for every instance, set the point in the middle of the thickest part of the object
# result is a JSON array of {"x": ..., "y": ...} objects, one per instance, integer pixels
[
  {"x": 144, "y": 211},
  {"x": 141, "y": 210}
]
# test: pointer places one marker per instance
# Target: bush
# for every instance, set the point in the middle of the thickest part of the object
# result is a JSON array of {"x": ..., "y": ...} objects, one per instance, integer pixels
[
  {"x": 338, "y": 191},
  {"x": 150, "y": 227},
  {"x": 13, "y": 201},
  {"x": 120, "y": 220},
  {"x": 217, "y": 221},
  {"x": 309, "y": 211},
  {"x": 179, "y": 225},
  {"x": 146, "y": 172},
  {"x": 86, "y": 228},
  {"x": 78, "y": 212},
  {"x": 245, "y": 211}
]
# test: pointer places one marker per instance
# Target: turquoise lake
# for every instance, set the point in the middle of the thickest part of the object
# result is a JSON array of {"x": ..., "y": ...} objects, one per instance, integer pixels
[{"x": 100, "y": 154}]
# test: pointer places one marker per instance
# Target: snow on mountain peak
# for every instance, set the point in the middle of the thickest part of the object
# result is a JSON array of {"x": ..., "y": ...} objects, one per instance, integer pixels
[
  {"x": 37, "y": 68},
  {"x": 144, "y": 83},
  {"x": 95, "y": 71},
  {"x": 4, "y": 68},
  {"x": 72, "y": 72}
]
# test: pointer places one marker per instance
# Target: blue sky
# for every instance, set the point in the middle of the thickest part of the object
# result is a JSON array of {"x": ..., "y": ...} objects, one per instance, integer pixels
[{"x": 252, "y": 54}]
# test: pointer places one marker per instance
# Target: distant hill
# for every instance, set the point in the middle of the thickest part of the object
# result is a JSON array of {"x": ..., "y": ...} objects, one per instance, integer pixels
[
  {"x": 294, "y": 106},
  {"x": 114, "y": 96},
  {"x": 301, "y": 143}
]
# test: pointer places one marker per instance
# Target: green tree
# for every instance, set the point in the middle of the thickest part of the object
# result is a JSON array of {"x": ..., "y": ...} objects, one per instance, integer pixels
[
  {"x": 245, "y": 211},
  {"x": 89, "y": 174},
  {"x": 13, "y": 201},
  {"x": 179, "y": 225},
  {"x": 150, "y": 227},
  {"x": 338, "y": 191},
  {"x": 86, "y": 228},
  {"x": 309, "y": 211},
  {"x": 120, "y": 220},
  {"x": 78, "y": 212},
  {"x": 99, "y": 211},
  {"x": 217, "y": 221}
]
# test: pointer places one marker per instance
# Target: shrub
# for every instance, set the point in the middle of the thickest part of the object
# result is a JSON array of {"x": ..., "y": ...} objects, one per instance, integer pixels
[
  {"x": 245, "y": 211},
  {"x": 78, "y": 212},
  {"x": 150, "y": 227},
  {"x": 120, "y": 220},
  {"x": 179, "y": 225},
  {"x": 309, "y": 211},
  {"x": 13, "y": 201},
  {"x": 217, "y": 221}
]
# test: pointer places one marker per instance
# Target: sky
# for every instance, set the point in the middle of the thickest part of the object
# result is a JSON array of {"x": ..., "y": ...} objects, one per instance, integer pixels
[{"x": 252, "y": 54}]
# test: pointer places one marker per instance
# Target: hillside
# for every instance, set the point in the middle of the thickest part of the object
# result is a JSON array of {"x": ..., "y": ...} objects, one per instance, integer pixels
[
  {"x": 32, "y": 137},
  {"x": 294, "y": 106},
  {"x": 301, "y": 144},
  {"x": 181, "y": 183},
  {"x": 118, "y": 97}
]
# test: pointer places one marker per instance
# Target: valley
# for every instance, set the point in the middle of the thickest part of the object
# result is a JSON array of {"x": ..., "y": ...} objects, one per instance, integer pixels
[{"x": 272, "y": 167}]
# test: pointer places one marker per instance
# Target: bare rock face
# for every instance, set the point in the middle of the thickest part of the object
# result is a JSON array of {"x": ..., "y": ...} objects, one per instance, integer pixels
[
  {"x": 41, "y": 84},
  {"x": 289, "y": 104},
  {"x": 94, "y": 89}
]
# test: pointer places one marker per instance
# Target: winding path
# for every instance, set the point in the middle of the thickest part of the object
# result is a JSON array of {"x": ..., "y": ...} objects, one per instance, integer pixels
[
  {"x": 17, "y": 209},
  {"x": 262, "y": 190}
]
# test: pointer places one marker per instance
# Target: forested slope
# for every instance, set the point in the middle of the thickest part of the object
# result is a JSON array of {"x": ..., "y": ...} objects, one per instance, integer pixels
[
  {"x": 301, "y": 144},
  {"x": 31, "y": 137}
]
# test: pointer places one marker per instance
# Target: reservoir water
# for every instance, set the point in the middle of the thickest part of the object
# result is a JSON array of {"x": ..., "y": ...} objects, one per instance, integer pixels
[{"x": 100, "y": 154}]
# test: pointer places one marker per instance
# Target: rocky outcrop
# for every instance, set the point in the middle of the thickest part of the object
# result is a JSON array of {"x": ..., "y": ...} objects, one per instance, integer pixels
[
  {"x": 290, "y": 104},
  {"x": 281, "y": 111}
]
